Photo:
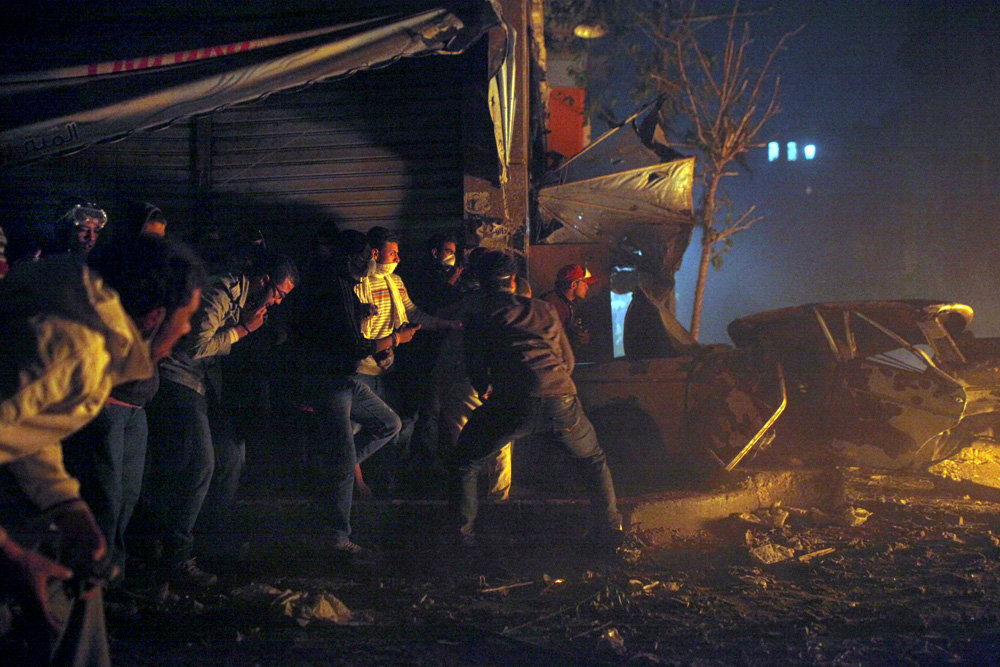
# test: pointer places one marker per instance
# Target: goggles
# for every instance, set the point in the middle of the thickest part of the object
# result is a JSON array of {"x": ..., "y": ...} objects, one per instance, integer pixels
[{"x": 80, "y": 213}]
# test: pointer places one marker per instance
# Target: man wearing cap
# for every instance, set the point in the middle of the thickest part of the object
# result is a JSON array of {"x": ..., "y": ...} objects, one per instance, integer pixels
[{"x": 572, "y": 283}]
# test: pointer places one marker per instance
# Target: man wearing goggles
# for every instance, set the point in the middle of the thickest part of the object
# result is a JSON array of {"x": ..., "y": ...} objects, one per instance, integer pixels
[{"x": 83, "y": 223}]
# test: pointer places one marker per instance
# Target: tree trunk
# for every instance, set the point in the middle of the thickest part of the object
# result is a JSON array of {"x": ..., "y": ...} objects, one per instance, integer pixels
[{"x": 699, "y": 288}]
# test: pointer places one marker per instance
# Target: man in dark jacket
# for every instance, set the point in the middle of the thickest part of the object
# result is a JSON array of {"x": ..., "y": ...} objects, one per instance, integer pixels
[
  {"x": 519, "y": 358},
  {"x": 328, "y": 320}
]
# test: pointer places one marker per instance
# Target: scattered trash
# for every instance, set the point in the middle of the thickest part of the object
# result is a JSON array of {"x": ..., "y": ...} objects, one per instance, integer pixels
[
  {"x": 774, "y": 517},
  {"x": 756, "y": 580},
  {"x": 610, "y": 638},
  {"x": 300, "y": 606},
  {"x": 769, "y": 554},
  {"x": 953, "y": 537},
  {"x": 503, "y": 590},
  {"x": 805, "y": 558},
  {"x": 853, "y": 517}
]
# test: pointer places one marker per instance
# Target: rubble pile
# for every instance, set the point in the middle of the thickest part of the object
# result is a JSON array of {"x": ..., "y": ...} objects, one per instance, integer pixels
[{"x": 904, "y": 573}]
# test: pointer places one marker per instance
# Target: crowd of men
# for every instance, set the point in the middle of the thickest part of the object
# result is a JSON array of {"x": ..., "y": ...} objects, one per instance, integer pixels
[{"x": 116, "y": 401}]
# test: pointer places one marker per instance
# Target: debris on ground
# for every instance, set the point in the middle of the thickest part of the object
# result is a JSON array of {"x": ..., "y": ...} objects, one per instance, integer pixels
[
  {"x": 300, "y": 606},
  {"x": 769, "y": 554},
  {"x": 904, "y": 573}
]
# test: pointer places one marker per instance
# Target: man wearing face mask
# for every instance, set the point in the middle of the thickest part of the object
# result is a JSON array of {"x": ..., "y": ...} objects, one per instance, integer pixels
[
  {"x": 327, "y": 320},
  {"x": 435, "y": 286},
  {"x": 393, "y": 308},
  {"x": 191, "y": 453}
]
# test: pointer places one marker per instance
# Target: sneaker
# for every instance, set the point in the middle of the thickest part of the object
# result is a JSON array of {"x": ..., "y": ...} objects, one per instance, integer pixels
[
  {"x": 189, "y": 575},
  {"x": 354, "y": 551}
]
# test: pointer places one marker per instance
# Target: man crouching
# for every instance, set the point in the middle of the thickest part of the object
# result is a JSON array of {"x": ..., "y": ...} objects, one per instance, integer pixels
[{"x": 518, "y": 356}]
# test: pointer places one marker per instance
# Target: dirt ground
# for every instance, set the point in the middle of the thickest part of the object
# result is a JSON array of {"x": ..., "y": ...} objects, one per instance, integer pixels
[{"x": 916, "y": 583}]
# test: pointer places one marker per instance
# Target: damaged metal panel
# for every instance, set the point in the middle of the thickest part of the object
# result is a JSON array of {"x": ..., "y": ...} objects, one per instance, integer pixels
[
  {"x": 655, "y": 195},
  {"x": 734, "y": 397}
]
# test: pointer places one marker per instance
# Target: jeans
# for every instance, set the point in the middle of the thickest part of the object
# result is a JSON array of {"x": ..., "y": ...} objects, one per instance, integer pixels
[
  {"x": 346, "y": 399},
  {"x": 108, "y": 457},
  {"x": 230, "y": 455},
  {"x": 180, "y": 461},
  {"x": 506, "y": 417}
]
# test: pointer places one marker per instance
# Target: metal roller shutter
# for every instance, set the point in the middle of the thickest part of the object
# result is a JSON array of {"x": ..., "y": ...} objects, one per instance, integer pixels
[{"x": 382, "y": 147}]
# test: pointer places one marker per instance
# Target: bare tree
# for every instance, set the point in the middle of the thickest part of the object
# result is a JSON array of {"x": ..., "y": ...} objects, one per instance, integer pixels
[{"x": 722, "y": 103}]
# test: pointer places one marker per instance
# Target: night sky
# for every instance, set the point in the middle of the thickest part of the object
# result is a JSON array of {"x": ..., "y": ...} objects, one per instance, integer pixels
[{"x": 902, "y": 100}]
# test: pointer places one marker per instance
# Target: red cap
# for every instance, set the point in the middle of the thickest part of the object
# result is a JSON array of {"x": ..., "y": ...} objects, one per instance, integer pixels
[{"x": 573, "y": 272}]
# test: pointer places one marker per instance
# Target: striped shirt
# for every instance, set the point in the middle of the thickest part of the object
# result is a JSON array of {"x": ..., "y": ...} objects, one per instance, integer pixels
[{"x": 381, "y": 325}]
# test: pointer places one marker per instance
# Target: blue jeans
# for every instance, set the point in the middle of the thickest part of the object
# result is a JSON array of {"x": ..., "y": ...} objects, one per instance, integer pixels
[
  {"x": 343, "y": 400},
  {"x": 506, "y": 417},
  {"x": 108, "y": 457},
  {"x": 230, "y": 457},
  {"x": 180, "y": 461}
]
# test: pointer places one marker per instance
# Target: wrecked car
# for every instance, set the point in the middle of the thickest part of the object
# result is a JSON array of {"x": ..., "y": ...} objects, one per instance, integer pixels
[
  {"x": 893, "y": 384},
  {"x": 884, "y": 383}
]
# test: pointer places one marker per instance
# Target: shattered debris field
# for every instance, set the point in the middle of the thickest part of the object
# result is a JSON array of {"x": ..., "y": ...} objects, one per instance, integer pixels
[{"x": 915, "y": 582}]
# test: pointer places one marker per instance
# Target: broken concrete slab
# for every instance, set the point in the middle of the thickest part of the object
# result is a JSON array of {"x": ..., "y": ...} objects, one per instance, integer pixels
[
  {"x": 678, "y": 514},
  {"x": 974, "y": 470}
]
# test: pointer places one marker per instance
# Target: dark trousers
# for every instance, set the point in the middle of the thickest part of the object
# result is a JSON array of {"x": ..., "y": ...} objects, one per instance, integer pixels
[
  {"x": 108, "y": 456},
  {"x": 506, "y": 417},
  {"x": 343, "y": 400},
  {"x": 180, "y": 461},
  {"x": 229, "y": 451}
]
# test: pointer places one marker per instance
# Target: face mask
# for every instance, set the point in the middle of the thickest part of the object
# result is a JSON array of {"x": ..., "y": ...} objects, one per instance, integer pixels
[
  {"x": 385, "y": 269},
  {"x": 449, "y": 260}
]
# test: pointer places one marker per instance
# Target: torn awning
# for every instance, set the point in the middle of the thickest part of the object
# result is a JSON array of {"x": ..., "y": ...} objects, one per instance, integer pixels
[
  {"x": 65, "y": 109},
  {"x": 659, "y": 194}
]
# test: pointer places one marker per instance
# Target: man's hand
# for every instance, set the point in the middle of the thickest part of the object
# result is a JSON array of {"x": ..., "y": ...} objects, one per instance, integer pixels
[
  {"x": 83, "y": 547},
  {"x": 36, "y": 571},
  {"x": 253, "y": 319},
  {"x": 367, "y": 310},
  {"x": 455, "y": 275},
  {"x": 404, "y": 334}
]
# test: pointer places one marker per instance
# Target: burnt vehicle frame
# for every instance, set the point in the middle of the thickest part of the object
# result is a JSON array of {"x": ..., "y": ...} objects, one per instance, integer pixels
[
  {"x": 891, "y": 384},
  {"x": 895, "y": 383}
]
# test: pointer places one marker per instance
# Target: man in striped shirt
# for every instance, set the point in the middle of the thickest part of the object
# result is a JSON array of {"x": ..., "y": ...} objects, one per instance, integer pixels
[{"x": 393, "y": 308}]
